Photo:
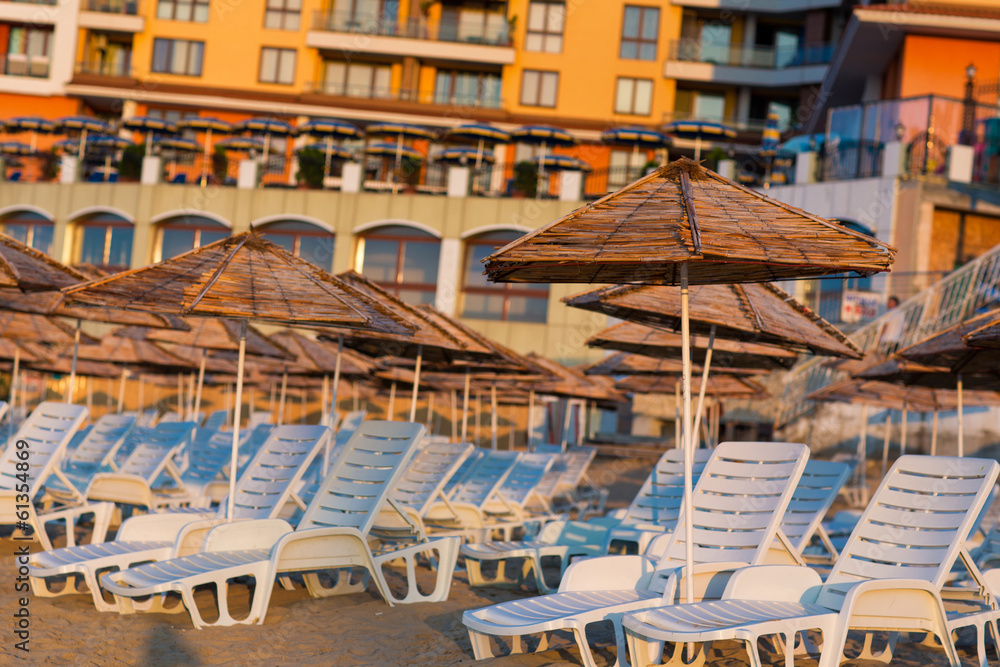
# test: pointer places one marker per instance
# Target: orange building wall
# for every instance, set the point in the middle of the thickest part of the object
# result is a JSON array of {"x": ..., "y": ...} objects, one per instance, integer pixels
[{"x": 936, "y": 65}]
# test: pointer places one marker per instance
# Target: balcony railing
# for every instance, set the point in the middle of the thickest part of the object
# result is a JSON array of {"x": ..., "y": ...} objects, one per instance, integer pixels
[
  {"x": 740, "y": 125},
  {"x": 464, "y": 31},
  {"x": 375, "y": 93},
  {"x": 764, "y": 57},
  {"x": 34, "y": 2},
  {"x": 104, "y": 69},
  {"x": 14, "y": 64},
  {"x": 129, "y": 7}
]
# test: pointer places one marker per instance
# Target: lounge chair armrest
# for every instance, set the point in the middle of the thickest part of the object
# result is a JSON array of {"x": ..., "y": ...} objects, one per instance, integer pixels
[
  {"x": 605, "y": 573},
  {"x": 710, "y": 581},
  {"x": 778, "y": 583},
  {"x": 883, "y": 600},
  {"x": 246, "y": 535}
]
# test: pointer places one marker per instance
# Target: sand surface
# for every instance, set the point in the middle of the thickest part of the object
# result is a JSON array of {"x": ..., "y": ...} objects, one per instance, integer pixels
[{"x": 358, "y": 629}]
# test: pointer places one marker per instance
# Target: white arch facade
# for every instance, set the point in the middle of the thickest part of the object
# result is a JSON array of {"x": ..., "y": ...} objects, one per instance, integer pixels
[
  {"x": 21, "y": 208},
  {"x": 94, "y": 210},
  {"x": 184, "y": 212},
  {"x": 486, "y": 229},
  {"x": 369, "y": 226},
  {"x": 293, "y": 217}
]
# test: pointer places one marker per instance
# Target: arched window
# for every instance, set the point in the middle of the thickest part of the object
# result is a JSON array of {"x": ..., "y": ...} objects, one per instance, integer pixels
[
  {"x": 511, "y": 302},
  {"x": 187, "y": 232},
  {"x": 105, "y": 241},
  {"x": 403, "y": 260},
  {"x": 303, "y": 239},
  {"x": 31, "y": 229}
]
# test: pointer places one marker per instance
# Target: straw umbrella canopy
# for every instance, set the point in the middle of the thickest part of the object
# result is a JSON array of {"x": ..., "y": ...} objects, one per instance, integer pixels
[
  {"x": 987, "y": 336},
  {"x": 653, "y": 342},
  {"x": 623, "y": 363},
  {"x": 719, "y": 385},
  {"x": 683, "y": 224},
  {"x": 245, "y": 277}
]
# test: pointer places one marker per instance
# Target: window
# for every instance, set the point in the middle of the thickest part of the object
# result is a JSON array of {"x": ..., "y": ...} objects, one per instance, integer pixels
[
  {"x": 634, "y": 96},
  {"x": 277, "y": 65},
  {"x": 467, "y": 22},
  {"x": 545, "y": 26},
  {"x": 178, "y": 235},
  {"x": 710, "y": 106},
  {"x": 302, "y": 239},
  {"x": 403, "y": 260},
  {"x": 31, "y": 229},
  {"x": 538, "y": 89},
  {"x": 481, "y": 89},
  {"x": 106, "y": 242},
  {"x": 28, "y": 51},
  {"x": 714, "y": 44},
  {"x": 178, "y": 56},
  {"x": 640, "y": 33},
  {"x": 183, "y": 10},
  {"x": 511, "y": 302},
  {"x": 282, "y": 14},
  {"x": 357, "y": 79}
]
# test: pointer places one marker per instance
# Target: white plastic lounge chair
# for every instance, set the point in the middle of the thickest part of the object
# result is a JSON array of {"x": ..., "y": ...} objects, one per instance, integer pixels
[
  {"x": 95, "y": 451},
  {"x": 464, "y": 513},
  {"x": 738, "y": 503},
  {"x": 888, "y": 577},
  {"x": 518, "y": 500},
  {"x": 333, "y": 534},
  {"x": 567, "y": 486},
  {"x": 261, "y": 493},
  {"x": 216, "y": 420},
  {"x": 815, "y": 493},
  {"x": 25, "y": 470}
]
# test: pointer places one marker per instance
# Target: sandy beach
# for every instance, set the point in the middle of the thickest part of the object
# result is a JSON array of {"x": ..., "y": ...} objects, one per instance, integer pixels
[{"x": 351, "y": 630}]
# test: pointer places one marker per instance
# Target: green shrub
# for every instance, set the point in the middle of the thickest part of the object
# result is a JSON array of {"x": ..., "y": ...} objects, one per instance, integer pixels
[
  {"x": 526, "y": 178},
  {"x": 311, "y": 164}
]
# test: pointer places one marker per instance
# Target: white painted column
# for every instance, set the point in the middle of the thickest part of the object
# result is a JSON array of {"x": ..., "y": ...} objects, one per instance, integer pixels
[{"x": 449, "y": 267}]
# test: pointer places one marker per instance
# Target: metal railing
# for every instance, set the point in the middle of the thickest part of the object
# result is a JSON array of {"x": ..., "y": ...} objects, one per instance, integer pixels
[
  {"x": 846, "y": 160},
  {"x": 466, "y": 31},
  {"x": 130, "y": 7},
  {"x": 971, "y": 288},
  {"x": 13, "y": 64},
  {"x": 34, "y": 2},
  {"x": 739, "y": 124},
  {"x": 736, "y": 55},
  {"x": 485, "y": 100},
  {"x": 104, "y": 69}
]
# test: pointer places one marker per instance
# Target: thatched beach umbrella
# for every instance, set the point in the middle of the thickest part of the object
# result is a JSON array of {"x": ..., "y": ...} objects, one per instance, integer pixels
[
  {"x": 243, "y": 277},
  {"x": 683, "y": 224}
]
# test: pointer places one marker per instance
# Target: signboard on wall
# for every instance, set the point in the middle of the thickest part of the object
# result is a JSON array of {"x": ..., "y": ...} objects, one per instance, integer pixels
[{"x": 859, "y": 306}]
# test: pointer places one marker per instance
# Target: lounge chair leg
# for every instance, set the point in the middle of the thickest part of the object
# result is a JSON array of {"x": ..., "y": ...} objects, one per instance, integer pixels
[
  {"x": 677, "y": 659},
  {"x": 480, "y": 645},
  {"x": 586, "y": 657}
]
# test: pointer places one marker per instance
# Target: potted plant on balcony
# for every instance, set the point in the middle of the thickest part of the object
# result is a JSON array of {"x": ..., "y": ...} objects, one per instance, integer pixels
[
  {"x": 220, "y": 164},
  {"x": 311, "y": 164},
  {"x": 130, "y": 166},
  {"x": 525, "y": 179}
]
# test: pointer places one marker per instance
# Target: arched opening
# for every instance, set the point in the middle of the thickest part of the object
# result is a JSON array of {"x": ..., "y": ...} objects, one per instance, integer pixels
[
  {"x": 509, "y": 302},
  {"x": 104, "y": 240},
  {"x": 303, "y": 239},
  {"x": 30, "y": 228},
  {"x": 186, "y": 232},
  {"x": 403, "y": 260}
]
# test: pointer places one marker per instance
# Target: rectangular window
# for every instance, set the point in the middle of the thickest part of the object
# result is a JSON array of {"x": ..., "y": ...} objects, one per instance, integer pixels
[
  {"x": 640, "y": 33},
  {"x": 710, "y": 106},
  {"x": 480, "y": 89},
  {"x": 178, "y": 56},
  {"x": 539, "y": 89},
  {"x": 282, "y": 14},
  {"x": 183, "y": 10},
  {"x": 28, "y": 51},
  {"x": 634, "y": 96},
  {"x": 356, "y": 79},
  {"x": 277, "y": 65},
  {"x": 545, "y": 26}
]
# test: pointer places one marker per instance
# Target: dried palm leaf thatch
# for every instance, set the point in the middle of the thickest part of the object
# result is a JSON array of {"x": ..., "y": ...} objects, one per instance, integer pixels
[
  {"x": 623, "y": 363},
  {"x": 130, "y": 352},
  {"x": 573, "y": 383},
  {"x": 719, "y": 385},
  {"x": 213, "y": 362},
  {"x": 210, "y": 333},
  {"x": 758, "y": 313},
  {"x": 54, "y": 303},
  {"x": 660, "y": 344},
  {"x": 60, "y": 360},
  {"x": 321, "y": 357},
  {"x": 433, "y": 338},
  {"x": 24, "y": 327},
  {"x": 28, "y": 351},
  {"x": 986, "y": 336},
  {"x": 685, "y": 214},
  {"x": 910, "y": 373},
  {"x": 245, "y": 277},
  {"x": 898, "y": 397},
  {"x": 28, "y": 270},
  {"x": 948, "y": 348},
  {"x": 498, "y": 357}
]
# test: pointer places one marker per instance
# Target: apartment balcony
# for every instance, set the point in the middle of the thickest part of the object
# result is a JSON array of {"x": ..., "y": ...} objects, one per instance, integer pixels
[
  {"x": 374, "y": 97},
  {"x": 701, "y": 60},
  {"x": 113, "y": 15},
  {"x": 759, "y": 6},
  {"x": 38, "y": 12},
  {"x": 114, "y": 75},
  {"x": 384, "y": 35},
  {"x": 16, "y": 64}
]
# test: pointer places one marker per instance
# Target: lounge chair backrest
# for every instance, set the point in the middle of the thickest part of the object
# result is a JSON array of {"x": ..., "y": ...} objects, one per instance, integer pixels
[
  {"x": 567, "y": 471},
  {"x": 349, "y": 424},
  {"x": 274, "y": 472},
  {"x": 47, "y": 430},
  {"x": 362, "y": 476},
  {"x": 149, "y": 460},
  {"x": 814, "y": 494},
  {"x": 427, "y": 473},
  {"x": 216, "y": 420},
  {"x": 658, "y": 500},
  {"x": 738, "y": 503},
  {"x": 525, "y": 476},
  {"x": 208, "y": 454},
  {"x": 485, "y": 478},
  {"x": 171, "y": 433},
  {"x": 457, "y": 477},
  {"x": 100, "y": 443},
  {"x": 915, "y": 524}
]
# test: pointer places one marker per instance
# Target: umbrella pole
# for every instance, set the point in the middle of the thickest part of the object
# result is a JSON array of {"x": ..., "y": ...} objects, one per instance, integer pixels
[
  {"x": 493, "y": 416},
  {"x": 697, "y": 148},
  {"x": 72, "y": 371},
  {"x": 934, "y": 434},
  {"x": 541, "y": 172},
  {"x": 180, "y": 396},
  {"x": 399, "y": 161},
  {"x": 329, "y": 155},
  {"x": 121, "y": 391},
  {"x": 236, "y": 420},
  {"x": 704, "y": 382},
  {"x": 902, "y": 434},
  {"x": 961, "y": 420},
  {"x": 206, "y": 161},
  {"x": 531, "y": 419},
  {"x": 479, "y": 418},
  {"x": 430, "y": 413},
  {"x": 885, "y": 442},
  {"x": 863, "y": 455},
  {"x": 688, "y": 436},
  {"x": 465, "y": 406},
  {"x": 141, "y": 405},
  {"x": 192, "y": 415},
  {"x": 90, "y": 395},
  {"x": 355, "y": 400},
  {"x": 305, "y": 400},
  {"x": 83, "y": 145},
  {"x": 565, "y": 427},
  {"x": 281, "y": 401},
  {"x": 677, "y": 412},
  {"x": 332, "y": 417},
  {"x": 454, "y": 415},
  {"x": 12, "y": 397},
  {"x": 416, "y": 384},
  {"x": 324, "y": 410},
  {"x": 201, "y": 381},
  {"x": 391, "y": 410},
  {"x": 270, "y": 403}
]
